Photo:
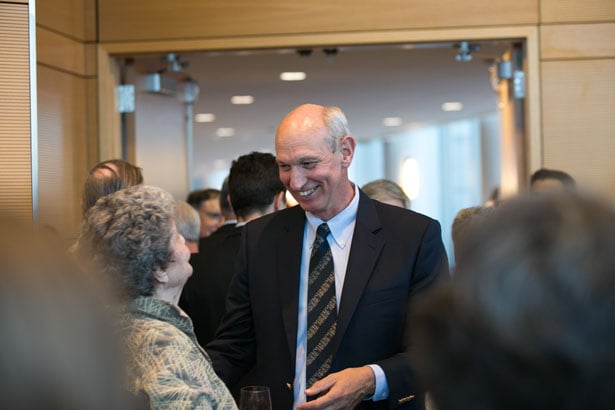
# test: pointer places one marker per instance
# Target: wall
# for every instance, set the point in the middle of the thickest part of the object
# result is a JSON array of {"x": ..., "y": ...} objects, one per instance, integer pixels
[
  {"x": 67, "y": 138},
  {"x": 578, "y": 87},
  {"x": 16, "y": 195},
  {"x": 577, "y": 60},
  {"x": 576, "y": 52}
]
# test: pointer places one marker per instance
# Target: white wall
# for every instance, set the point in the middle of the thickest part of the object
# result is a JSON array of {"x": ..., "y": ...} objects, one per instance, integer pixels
[{"x": 160, "y": 142}]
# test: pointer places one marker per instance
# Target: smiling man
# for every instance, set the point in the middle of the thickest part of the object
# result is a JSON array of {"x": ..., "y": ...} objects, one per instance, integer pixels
[{"x": 344, "y": 344}]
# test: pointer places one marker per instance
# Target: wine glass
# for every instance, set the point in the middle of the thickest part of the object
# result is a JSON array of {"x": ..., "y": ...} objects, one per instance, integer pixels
[{"x": 255, "y": 398}]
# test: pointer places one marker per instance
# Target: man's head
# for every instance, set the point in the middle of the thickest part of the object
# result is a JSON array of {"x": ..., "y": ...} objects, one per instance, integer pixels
[
  {"x": 225, "y": 203},
  {"x": 207, "y": 203},
  {"x": 386, "y": 191},
  {"x": 188, "y": 224},
  {"x": 254, "y": 185},
  {"x": 527, "y": 321},
  {"x": 107, "y": 177},
  {"x": 314, "y": 150},
  {"x": 549, "y": 180}
]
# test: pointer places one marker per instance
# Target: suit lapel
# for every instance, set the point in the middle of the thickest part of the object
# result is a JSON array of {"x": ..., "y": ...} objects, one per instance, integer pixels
[
  {"x": 289, "y": 263},
  {"x": 364, "y": 252}
]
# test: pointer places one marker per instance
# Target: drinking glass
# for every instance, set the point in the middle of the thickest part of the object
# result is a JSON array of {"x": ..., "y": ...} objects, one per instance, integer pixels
[{"x": 255, "y": 398}]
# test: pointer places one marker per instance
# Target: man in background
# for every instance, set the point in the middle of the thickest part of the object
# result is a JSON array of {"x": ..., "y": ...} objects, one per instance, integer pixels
[
  {"x": 550, "y": 179},
  {"x": 188, "y": 224},
  {"x": 254, "y": 190},
  {"x": 386, "y": 191},
  {"x": 207, "y": 203}
]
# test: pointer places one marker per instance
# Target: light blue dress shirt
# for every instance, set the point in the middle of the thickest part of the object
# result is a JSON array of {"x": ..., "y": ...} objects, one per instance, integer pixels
[{"x": 342, "y": 228}]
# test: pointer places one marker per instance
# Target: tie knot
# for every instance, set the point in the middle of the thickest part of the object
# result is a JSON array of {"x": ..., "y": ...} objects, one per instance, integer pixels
[{"x": 323, "y": 230}]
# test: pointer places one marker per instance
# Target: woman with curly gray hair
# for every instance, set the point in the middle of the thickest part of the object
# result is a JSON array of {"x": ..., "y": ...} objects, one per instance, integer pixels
[{"x": 131, "y": 238}]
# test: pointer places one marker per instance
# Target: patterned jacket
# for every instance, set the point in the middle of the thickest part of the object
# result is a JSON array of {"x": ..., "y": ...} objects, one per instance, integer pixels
[{"x": 166, "y": 362}]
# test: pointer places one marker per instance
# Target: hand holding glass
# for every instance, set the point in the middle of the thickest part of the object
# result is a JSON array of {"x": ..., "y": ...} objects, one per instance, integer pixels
[{"x": 255, "y": 398}]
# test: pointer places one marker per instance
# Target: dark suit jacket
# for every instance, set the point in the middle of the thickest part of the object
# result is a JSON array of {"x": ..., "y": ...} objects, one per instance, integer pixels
[
  {"x": 395, "y": 255},
  {"x": 204, "y": 294}
]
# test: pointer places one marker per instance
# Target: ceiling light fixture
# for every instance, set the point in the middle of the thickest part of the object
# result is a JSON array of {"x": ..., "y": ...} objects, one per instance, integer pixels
[
  {"x": 465, "y": 49},
  {"x": 204, "y": 117},
  {"x": 292, "y": 76},
  {"x": 225, "y": 132},
  {"x": 452, "y": 106},
  {"x": 392, "y": 122},
  {"x": 242, "y": 99}
]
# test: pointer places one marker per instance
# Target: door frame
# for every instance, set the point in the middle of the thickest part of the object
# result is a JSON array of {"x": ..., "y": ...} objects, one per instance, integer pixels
[{"x": 109, "y": 128}]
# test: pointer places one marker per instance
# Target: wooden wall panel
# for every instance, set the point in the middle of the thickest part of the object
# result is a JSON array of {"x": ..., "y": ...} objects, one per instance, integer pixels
[
  {"x": 573, "y": 41},
  {"x": 579, "y": 120},
  {"x": 140, "y": 20},
  {"x": 73, "y": 18},
  {"x": 576, "y": 11},
  {"x": 59, "y": 51},
  {"x": 15, "y": 137},
  {"x": 62, "y": 148}
]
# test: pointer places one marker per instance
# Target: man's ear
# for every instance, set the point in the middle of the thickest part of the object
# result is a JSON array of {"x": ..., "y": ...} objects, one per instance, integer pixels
[
  {"x": 279, "y": 201},
  {"x": 161, "y": 276},
  {"x": 347, "y": 146}
]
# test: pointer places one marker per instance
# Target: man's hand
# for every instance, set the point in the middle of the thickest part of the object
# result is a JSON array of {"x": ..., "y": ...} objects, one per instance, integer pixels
[{"x": 341, "y": 390}]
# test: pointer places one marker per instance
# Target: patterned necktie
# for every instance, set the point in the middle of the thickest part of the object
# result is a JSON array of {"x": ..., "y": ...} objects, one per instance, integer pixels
[{"x": 322, "y": 308}]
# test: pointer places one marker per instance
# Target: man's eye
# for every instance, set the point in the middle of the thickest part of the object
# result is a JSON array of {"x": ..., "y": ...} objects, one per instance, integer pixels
[
  {"x": 284, "y": 167},
  {"x": 309, "y": 164}
]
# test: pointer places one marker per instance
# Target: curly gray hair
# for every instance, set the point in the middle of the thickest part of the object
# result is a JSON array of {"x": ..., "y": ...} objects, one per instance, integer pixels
[{"x": 127, "y": 236}]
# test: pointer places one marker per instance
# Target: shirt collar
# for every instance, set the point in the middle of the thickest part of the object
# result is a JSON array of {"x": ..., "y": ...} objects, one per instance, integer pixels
[{"x": 341, "y": 225}]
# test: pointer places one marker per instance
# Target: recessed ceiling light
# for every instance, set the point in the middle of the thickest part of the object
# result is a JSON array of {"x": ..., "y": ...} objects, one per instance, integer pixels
[
  {"x": 204, "y": 117},
  {"x": 452, "y": 106},
  {"x": 242, "y": 99},
  {"x": 392, "y": 122},
  {"x": 225, "y": 132},
  {"x": 292, "y": 76}
]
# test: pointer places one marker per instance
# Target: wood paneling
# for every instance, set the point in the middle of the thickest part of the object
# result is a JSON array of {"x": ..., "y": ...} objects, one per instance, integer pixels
[
  {"x": 579, "y": 120},
  {"x": 109, "y": 130},
  {"x": 59, "y": 51},
  {"x": 576, "y": 11},
  {"x": 140, "y": 20},
  {"x": 73, "y": 18},
  {"x": 573, "y": 41},
  {"x": 15, "y": 137},
  {"x": 62, "y": 148}
]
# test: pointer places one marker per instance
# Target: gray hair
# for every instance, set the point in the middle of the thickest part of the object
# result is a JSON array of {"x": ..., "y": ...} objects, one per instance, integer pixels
[
  {"x": 188, "y": 221},
  {"x": 384, "y": 189},
  {"x": 127, "y": 236},
  {"x": 337, "y": 124}
]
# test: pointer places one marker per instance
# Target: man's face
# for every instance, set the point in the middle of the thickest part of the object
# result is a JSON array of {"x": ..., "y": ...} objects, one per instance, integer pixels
[
  {"x": 547, "y": 185},
  {"x": 316, "y": 177},
  {"x": 211, "y": 216}
]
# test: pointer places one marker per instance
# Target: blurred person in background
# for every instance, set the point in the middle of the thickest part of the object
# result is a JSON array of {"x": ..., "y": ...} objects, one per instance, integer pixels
[
  {"x": 527, "y": 322},
  {"x": 188, "y": 224},
  {"x": 550, "y": 179},
  {"x": 387, "y": 192},
  {"x": 58, "y": 349},
  {"x": 207, "y": 203},
  {"x": 107, "y": 177},
  {"x": 131, "y": 238}
]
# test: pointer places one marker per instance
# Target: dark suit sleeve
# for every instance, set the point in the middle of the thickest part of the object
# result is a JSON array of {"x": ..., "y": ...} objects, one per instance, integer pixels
[
  {"x": 430, "y": 267},
  {"x": 233, "y": 350}
]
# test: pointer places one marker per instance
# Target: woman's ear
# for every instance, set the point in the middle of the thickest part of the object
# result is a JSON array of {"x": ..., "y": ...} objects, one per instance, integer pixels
[{"x": 161, "y": 276}]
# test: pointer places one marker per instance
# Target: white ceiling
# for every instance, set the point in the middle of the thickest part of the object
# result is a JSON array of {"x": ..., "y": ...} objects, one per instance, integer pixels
[{"x": 369, "y": 83}]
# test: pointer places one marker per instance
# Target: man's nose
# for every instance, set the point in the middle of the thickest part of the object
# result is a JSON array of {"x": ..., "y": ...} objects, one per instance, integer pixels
[{"x": 297, "y": 179}]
